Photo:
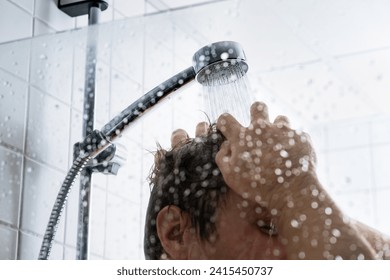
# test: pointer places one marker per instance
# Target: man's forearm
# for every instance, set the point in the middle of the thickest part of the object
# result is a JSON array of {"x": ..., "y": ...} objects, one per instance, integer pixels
[
  {"x": 378, "y": 241},
  {"x": 316, "y": 228}
]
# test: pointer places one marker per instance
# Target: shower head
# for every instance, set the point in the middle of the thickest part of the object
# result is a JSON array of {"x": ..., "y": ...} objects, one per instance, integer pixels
[
  {"x": 224, "y": 61},
  {"x": 218, "y": 63}
]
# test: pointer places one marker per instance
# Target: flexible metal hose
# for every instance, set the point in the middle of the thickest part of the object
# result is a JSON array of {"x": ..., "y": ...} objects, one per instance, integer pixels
[
  {"x": 59, "y": 204},
  {"x": 98, "y": 141}
]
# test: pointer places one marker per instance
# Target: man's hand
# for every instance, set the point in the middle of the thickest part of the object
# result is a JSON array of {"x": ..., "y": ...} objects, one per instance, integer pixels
[{"x": 264, "y": 159}]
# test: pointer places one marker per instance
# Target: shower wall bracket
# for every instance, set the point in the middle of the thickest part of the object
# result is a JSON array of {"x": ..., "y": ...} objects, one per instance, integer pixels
[
  {"x": 107, "y": 162},
  {"x": 75, "y": 8}
]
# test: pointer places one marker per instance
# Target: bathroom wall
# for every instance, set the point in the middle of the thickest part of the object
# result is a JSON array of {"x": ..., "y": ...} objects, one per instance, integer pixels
[
  {"x": 42, "y": 84},
  {"x": 27, "y": 18},
  {"x": 324, "y": 69}
]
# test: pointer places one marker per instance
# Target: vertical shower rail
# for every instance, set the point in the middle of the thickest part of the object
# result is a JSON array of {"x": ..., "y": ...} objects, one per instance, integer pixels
[{"x": 88, "y": 127}]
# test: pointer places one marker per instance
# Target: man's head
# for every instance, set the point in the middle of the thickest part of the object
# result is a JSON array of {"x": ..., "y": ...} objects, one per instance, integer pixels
[
  {"x": 188, "y": 178},
  {"x": 192, "y": 214}
]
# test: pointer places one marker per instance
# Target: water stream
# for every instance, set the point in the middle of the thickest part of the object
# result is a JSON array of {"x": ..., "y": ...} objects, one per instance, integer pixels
[{"x": 228, "y": 91}]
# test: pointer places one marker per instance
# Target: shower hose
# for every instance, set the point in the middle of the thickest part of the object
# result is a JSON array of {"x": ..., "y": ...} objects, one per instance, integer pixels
[
  {"x": 59, "y": 204},
  {"x": 92, "y": 145}
]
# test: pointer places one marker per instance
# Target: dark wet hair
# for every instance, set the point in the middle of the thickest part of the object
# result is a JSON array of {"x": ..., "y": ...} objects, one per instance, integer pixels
[{"x": 187, "y": 177}]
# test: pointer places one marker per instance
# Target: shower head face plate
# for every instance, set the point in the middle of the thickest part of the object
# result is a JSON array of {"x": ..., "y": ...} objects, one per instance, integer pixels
[{"x": 221, "y": 59}]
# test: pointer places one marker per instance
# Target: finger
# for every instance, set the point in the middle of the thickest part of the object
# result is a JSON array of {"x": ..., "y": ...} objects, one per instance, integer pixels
[
  {"x": 281, "y": 121},
  {"x": 178, "y": 136},
  {"x": 228, "y": 125},
  {"x": 259, "y": 112},
  {"x": 222, "y": 158},
  {"x": 201, "y": 129}
]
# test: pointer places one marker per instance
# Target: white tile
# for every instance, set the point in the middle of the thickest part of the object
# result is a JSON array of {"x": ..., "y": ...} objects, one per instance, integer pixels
[
  {"x": 51, "y": 64},
  {"x": 322, "y": 168},
  {"x": 41, "y": 27},
  {"x": 159, "y": 65},
  {"x": 17, "y": 22},
  {"x": 81, "y": 21},
  {"x": 8, "y": 241},
  {"x": 272, "y": 43},
  {"x": 357, "y": 205},
  {"x": 10, "y": 184},
  {"x": 107, "y": 15},
  {"x": 348, "y": 134},
  {"x": 335, "y": 27},
  {"x": 69, "y": 253},
  {"x": 97, "y": 215},
  {"x": 318, "y": 135},
  {"x": 128, "y": 49},
  {"x": 41, "y": 186},
  {"x": 76, "y": 128},
  {"x": 124, "y": 91},
  {"x": 122, "y": 229},
  {"x": 13, "y": 98},
  {"x": 48, "y": 130},
  {"x": 350, "y": 170},
  {"x": 129, "y": 9},
  {"x": 382, "y": 208},
  {"x": 95, "y": 257},
  {"x": 30, "y": 245},
  {"x": 102, "y": 92},
  {"x": 14, "y": 58},
  {"x": 127, "y": 182},
  {"x": 78, "y": 73},
  {"x": 144, "y": 207},
  {"x": 178, "y": 3},
  {"x": 102, "y": 80},
  {"x": 97, "y": 229},
  {"x": 381, "y": 154},
  {"x": 367, "y": 72},
  {"x": 315, "y": 93},
  {"x": 185, "y": 44},
  {"x": 381, "y": 131},
  {"x": 49, "y": 13},
  {"x": 26, "y": 4},
  {"x": 147, "y": 163},
  {"x": 72, "y": 215},
  {"x": 134, "y": 132},
  {"x": 157, "y": 126},
  {"x": 150, "y": 9}
]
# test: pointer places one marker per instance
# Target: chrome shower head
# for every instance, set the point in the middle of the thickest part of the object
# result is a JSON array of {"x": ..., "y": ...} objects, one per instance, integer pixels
[{"x": 221, "y": 59}]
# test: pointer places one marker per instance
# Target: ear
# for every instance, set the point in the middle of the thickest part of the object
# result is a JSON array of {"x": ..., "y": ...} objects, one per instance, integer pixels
[{"x": 173, "y": 227}]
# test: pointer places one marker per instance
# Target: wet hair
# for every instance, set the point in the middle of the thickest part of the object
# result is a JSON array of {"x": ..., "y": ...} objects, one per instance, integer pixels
[{"x": 187, "y": 177}]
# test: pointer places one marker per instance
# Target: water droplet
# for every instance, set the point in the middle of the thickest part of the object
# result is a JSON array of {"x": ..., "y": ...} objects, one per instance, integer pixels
[
  {"x": 224, "y": 55},
  {"x": 29, "y": 169},
  {"x": 43, "y": 57},
  {"x": 336, "y": 232},
  {"x": 360, "y": 257},
  {"x": 328, "y": 211},
  {"x": 294, "y": 223},
  {"x": 283, "y": 153}
]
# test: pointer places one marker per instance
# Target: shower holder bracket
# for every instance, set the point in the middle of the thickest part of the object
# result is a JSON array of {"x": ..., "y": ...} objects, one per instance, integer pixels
[{"x": 108, "y": 161}]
